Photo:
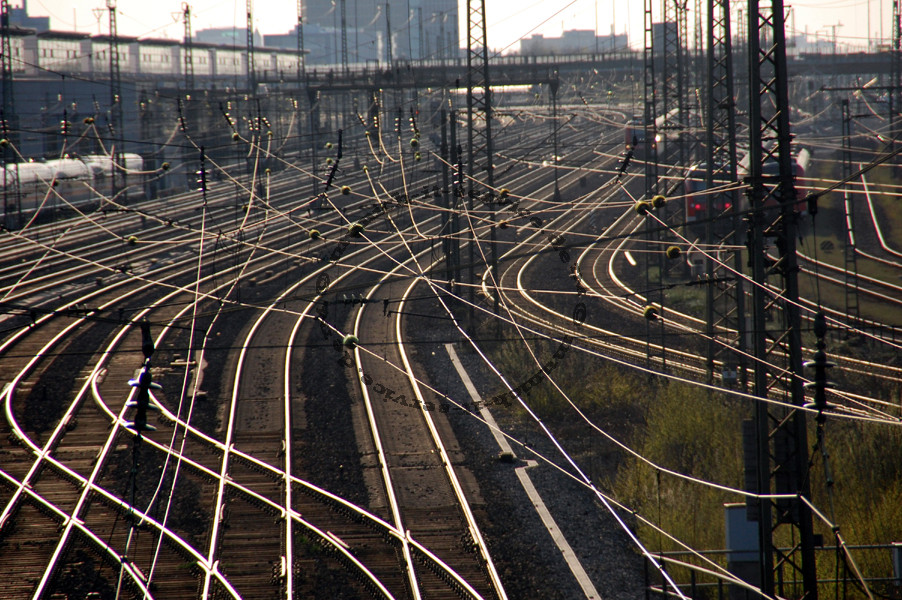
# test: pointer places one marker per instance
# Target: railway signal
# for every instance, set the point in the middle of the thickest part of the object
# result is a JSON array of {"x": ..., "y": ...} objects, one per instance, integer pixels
[
  {"x": 144, "y": 383},
  {"x": 820, "y": 364}
]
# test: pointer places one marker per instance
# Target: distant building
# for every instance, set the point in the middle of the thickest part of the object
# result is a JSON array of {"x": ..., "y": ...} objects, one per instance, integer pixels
[
  {"x": 322, "y": 45},
  {"x": 226, "y": 36},
  {"x": 420, "y": 30},
  {"x": 18, "y": 17},
  {"x": 576, "y": 41},
  {"x": 805, "y": 44}
]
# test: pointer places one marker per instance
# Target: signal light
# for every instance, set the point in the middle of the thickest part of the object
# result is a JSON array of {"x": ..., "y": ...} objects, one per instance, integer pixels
[{"x": 200, "y": 179}]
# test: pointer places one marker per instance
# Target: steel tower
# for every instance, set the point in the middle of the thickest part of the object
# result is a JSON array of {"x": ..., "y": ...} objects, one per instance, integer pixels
[
  {"x": 725, "y": 305},
  {"x": 781, "y": 456}
]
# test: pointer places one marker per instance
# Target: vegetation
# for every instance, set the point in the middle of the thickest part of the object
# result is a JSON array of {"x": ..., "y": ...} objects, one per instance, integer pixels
[{"x": 695, "y": 432}]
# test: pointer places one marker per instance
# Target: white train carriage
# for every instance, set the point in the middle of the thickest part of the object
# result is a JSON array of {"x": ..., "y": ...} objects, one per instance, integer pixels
[
  {"x": 264, "y": 62},
  {"x": 157, "y": 57},
  {"x": 21, "y": 58},
  {"x": 54, "y": 52},
  {"x": 203, "y": 58},
  {"x": 286, "y": 64},
  {"x": 64, "y": 183},
  {"x": 98, "y": 59},
  {"x": 86, "y": 55},
  {"x": 229, "y": 61}
]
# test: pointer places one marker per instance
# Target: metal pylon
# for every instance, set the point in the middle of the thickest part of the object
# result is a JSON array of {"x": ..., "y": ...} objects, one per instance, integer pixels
[
  {"x": 6, "y": 54},
  {"x": 725, "y": 303},
  {"x": 8, "y": 125},
  {"x": 850, "y": 253},
  {"x": 389, "y": 56},
  {"x": 344, "y": 36},
  {"x": 251, "y": 67},
  {"x": 781, "y": 458},
  {"x": 117, "y": 175},
  {"x": 302, "y": 60},
  {"x": 895, "y": 96},
  {"x": 654, "y": 331},
  {"x": 673, "y": 61},
  {"x": 650, "y": 100},
  {"x": 188, "y": 48},
  {"x": 480, "y": 152}
]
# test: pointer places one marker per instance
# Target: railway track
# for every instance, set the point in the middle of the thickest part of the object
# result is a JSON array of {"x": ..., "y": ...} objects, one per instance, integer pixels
[
  {"x": 241, "y": 465},
  {"x": 256, "y": 511}
]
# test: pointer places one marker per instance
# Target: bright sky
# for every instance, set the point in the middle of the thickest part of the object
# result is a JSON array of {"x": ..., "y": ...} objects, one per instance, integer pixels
[{"x": 849, "y": 19}]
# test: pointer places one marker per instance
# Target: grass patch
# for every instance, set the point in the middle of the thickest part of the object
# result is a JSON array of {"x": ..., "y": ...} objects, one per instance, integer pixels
[{"x": 698, "y": 433}]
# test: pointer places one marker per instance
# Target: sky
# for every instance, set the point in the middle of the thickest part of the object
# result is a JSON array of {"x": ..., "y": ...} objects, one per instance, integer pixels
[{"x": 849, "y": 20}]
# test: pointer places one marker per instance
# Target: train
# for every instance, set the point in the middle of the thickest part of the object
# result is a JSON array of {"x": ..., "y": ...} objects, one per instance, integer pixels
[
  {"x": 63, "y": 183},
  {"x": 668, "y": 129},
  {"x": 79, "y": 54},
  {"x": 696, "y": 201}
]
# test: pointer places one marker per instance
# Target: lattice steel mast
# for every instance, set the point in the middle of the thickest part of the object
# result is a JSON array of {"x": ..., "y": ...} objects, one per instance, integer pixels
[
  {"x": 725, "y": 302},
  {"x": 654, "y": 331},
  {"x": 8, "y": 128},
  {"x": 650, "y": 100},
  {"x": 479, "y": 124},
  {"x": 388, "y": 45},
  {"x": 6, "y": 55},
  {"x": 895, "y": 96},
  {"x": 302, "y": 60},
  {"x": 251, "y": 67},
  {"x": 188, "y": 48},
  {"x": 344, "y": 36},
  {"x": 850, "y": 254},
  {"x": 673, "y": 59},
  {"x": 781, "y": 463},
  {"x": 117, "y": 174}
]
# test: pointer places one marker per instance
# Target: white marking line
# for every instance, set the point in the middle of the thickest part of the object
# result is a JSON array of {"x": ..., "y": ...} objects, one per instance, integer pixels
[
  {"x": 556, "y": 535},
  {"x": 474, "y": 395}
]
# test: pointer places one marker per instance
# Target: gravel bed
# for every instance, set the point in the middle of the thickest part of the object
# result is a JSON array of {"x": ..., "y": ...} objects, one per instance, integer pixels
[{"x": 529, "y": 563}]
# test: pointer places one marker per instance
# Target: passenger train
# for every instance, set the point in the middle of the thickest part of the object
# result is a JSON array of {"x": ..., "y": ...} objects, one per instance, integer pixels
[
  {"x": 60, "y": 52},
  {"x": 64, "y": 183},
  {"x": 668, "y": 129},
  {"x": 696, "y": 201}
]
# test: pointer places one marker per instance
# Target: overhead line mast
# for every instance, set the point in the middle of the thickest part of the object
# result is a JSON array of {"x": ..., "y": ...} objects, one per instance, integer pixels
[
  {"x": 8, "y": 126},
  {"x": 895, "y": 96},
  {"x": 344, "y": 36},
  {"x": 654, "y": 328},
  {"x": 118, "y": 172},
  {"x": 188, "y": 48},
  {"x": 479, "y": 126},
  {"x": 251, "y": 67},
  {"x": 780, "y": 460},
  {"x": 725, "y": 302},
  {"x": 302, "y": 61}
]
